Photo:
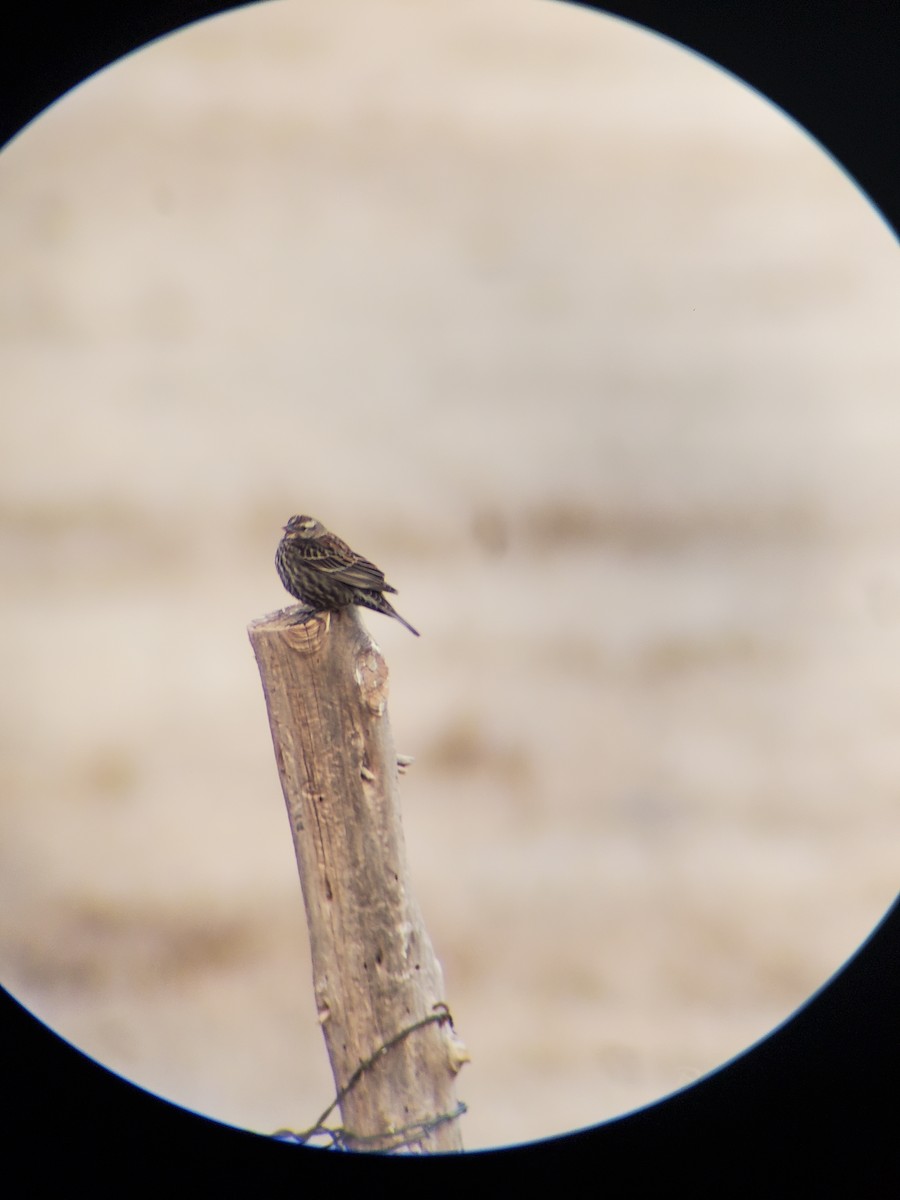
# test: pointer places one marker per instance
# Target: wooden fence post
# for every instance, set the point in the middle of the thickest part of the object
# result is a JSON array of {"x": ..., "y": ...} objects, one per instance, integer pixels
[{"x": 379, "y": 988}]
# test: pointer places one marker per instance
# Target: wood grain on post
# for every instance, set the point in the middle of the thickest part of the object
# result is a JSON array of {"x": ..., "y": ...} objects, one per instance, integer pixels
[{"x": 374, "y": 971}]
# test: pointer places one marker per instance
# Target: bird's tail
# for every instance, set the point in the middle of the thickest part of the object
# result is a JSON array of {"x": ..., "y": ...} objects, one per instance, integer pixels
[{"x": 392, "y": 612}]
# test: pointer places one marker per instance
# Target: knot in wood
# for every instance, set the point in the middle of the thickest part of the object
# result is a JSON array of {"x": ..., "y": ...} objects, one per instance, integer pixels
[
  {"x": 372, "y": 678},
  {"x": 307, "y": 638}
]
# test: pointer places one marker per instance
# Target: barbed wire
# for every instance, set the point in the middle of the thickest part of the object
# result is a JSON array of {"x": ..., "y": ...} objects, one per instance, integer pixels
[{"x": 408, "y": 1136}]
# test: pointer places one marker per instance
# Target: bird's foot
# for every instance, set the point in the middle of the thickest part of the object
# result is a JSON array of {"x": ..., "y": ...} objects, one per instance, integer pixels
[{"x": 304, "y": 612}]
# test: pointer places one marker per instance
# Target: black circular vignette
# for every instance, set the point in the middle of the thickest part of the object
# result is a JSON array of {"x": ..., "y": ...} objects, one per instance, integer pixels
[{"x": 806, "y": 1111}]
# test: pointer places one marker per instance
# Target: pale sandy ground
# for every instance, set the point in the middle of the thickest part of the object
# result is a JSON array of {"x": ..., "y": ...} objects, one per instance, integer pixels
[{"x": 595, "y": 353}]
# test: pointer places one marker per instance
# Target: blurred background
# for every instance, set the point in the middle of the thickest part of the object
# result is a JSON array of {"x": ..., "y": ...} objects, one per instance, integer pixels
[{"x": 594, "y": 352}]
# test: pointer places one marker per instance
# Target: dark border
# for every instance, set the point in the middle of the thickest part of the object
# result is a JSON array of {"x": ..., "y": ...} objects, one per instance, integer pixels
[
  {"x": 810, "y": 1110},
  {"x": 831, "y": 64}
]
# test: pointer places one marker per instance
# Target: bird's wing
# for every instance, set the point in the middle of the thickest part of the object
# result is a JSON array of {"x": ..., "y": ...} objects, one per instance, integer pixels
[{"x": 347, "y": 567}]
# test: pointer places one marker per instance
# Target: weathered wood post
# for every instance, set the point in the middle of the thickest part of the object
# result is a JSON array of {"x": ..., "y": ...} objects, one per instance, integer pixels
[{"x": 379, "y": 988}]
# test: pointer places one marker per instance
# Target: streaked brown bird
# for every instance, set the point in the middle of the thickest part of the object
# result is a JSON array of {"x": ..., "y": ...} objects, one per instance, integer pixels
[{"x": 322, "y": 572}]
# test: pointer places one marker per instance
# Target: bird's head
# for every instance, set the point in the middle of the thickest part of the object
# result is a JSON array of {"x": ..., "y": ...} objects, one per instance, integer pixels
[{"x": 303, "y": 527}]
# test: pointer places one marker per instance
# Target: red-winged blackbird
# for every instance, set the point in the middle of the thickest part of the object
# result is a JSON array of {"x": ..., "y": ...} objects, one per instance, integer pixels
[{"x": 323, "y": 573}]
